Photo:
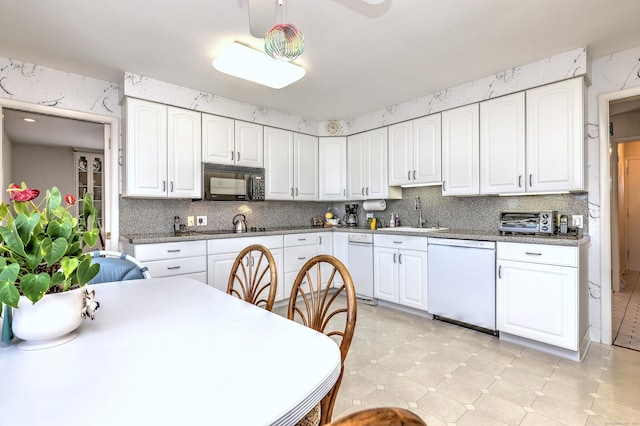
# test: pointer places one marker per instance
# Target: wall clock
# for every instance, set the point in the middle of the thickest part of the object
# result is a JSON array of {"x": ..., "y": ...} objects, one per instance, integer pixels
[{"x": 333, "y": 127}]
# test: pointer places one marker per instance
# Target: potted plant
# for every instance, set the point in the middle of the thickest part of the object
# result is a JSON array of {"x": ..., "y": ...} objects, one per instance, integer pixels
[{"x": 41, "y": 250}]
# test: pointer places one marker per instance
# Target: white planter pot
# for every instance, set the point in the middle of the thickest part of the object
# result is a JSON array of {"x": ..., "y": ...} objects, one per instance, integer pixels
[{"x": 49, "y": 322}]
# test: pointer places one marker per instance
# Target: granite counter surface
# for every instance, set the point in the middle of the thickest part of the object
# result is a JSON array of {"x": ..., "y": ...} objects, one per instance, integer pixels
[{"x": 456, "y": 234}]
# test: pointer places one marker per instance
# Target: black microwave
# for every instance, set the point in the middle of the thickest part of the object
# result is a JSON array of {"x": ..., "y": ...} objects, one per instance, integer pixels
[{"x": 232, "y": 183}]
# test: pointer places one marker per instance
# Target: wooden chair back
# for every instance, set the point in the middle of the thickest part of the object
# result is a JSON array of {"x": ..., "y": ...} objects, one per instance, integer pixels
[
  {"x": 383, "y": 416},
  {"x": 332, "y": 311},
  {"x": 253, "y": 277}
]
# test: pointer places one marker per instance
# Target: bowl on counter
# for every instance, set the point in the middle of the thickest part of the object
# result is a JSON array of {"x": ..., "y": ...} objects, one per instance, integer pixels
[{"x": 333, "y": 221}]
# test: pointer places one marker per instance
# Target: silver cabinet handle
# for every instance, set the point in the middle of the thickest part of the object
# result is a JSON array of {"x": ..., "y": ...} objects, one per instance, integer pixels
[
  {"x": 444, "y": 185},
  {"x": 530, "y": 182},
  {"x": 164, "y": 185},
  {"x": 238, "y": 156},
  {"x": 530, "y": 253},
  {"x": 302, "y": 258},
  {"x": 400, "y": 258},
  {"x": 296, "y": 192},
  {"x": 173, "y": 251},
  {"x": 231, "y": 155},
  {"x": 320, "y": 240},
  {"x": 171, "y": 186},
  {"x": 397, "y": 242},
  {"x": 367, "y": 190},
  {"x": 344, "y": 192},
  {"x": 173, "y": 267},
  {"x": 394, "y": 257},
  {"x": 302, "y": 239},
  {"x": 292, "y": 191},
  {"x": 414, "y": 175},
  {"x": 519, "y": 181},
  {"x": 363, "y": 190},
  {"x": 500, "y": 271},
  {"x": 409, "y": 175}
]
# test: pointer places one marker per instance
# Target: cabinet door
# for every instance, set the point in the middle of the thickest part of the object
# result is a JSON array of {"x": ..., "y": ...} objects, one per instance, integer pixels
[
  {"x": 461, "y": 151},
  {"x": 412, "y": 279},
  {"x": 305, "y": 162},
  {"x": 377, "y": 173},
  {"x": 217, "y": 139},
  {"x": 184, "y": 153},
  {"x": 341, "y": 250},
  {"x": 278, "y": 158},
  {"x": 357, "y": 169},
  {"x": 385, "y": 274},
  {"x": 502, "y": 145},
  {"x": 555, "y": 138},
  {"x": 427, "y": 149},
  {"x": 278, "y": 257},
  {"x": 401, "y": 157},
  {"x": 332, "y": 165},
  {"x": 249, "y": 144},
  {"x": 146, "y": 149},
  {"x": 219, "y": 268},
  {"x": 538, "y": 302}
]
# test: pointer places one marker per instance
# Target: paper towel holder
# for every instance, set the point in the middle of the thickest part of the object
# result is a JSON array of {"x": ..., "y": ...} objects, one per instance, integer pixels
[{"x": 374, "y": 205}]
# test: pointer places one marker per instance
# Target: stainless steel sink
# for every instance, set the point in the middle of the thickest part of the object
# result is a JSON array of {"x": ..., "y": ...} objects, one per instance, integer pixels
[{"x": 414, "y": 229}]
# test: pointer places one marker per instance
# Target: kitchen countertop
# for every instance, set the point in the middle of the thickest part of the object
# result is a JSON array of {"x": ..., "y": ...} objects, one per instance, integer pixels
[{"x": 457, "y": 234}]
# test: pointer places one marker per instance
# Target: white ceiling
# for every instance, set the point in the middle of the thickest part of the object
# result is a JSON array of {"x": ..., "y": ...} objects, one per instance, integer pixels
[{"x": 359, "y": 58}]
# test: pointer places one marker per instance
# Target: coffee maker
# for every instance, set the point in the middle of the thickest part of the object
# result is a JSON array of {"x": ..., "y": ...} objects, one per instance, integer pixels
[{"x": 351, "y": 214}]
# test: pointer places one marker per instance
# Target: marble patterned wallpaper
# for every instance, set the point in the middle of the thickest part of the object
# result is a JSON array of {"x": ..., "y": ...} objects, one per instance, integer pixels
[
  {"x": 137, "y": 86},
  {"x": 40, "y": 85}
]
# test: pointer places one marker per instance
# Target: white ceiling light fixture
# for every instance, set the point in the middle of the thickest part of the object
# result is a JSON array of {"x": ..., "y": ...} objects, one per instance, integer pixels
[
  {"x": 373, "y": 1},
  {"x": 249, "y": 64}
]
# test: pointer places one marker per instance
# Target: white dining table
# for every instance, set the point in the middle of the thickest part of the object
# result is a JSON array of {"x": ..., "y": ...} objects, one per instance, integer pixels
[{"x": 170, "y": 351}]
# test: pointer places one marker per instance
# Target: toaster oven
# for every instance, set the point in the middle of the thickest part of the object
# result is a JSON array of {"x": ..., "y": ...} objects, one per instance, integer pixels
[{"x": 520, "y": 222}]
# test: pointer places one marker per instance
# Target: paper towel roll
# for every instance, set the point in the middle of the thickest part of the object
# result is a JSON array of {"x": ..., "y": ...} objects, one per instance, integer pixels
[{"x": 374, "y": 205}]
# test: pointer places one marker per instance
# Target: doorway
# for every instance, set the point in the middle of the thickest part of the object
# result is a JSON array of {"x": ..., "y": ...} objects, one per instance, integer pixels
[
  {"x": 624, "y": 119},
  {"x": 69, "y": 123}
]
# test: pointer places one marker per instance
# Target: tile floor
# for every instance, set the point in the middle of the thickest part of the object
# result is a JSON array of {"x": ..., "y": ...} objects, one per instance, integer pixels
[
  {"x": 625, "y": 313},
  {"x": 451, "y": 375}
]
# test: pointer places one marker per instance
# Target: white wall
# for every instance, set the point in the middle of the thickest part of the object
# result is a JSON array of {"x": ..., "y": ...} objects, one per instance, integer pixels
[
  {"x": 43, "y": 167},
  {"x": 5, "y": 156}
]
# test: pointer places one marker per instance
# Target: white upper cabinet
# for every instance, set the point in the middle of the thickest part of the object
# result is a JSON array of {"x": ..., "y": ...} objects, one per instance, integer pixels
[
  {"x": 249, "y": 144},
  {"x": 415, "y": 151},
  {"x": 555, "y": 137},
  {"x": 461, "y": 151},
  {"x": 332, "y": 165},
  {"x": 184, "y": 153},
  {"x": 367, "y": 166},
  {"x": 291, "y": 165},
  {"x": 163, "y": 151},
  {"x": 228, "y": 141},
  {"x": 305, "y": 177},
  {"x": 502, "y": 145}
]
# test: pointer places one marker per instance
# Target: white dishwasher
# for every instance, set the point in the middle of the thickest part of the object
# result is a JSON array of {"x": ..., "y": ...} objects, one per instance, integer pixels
[
  {"x": 462, "y": 281},
  {"x": 360, "y": 259}
]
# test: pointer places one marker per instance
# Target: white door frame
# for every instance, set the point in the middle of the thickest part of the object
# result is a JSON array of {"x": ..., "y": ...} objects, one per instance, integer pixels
[
  {"x": 605, "y": 209},
  {"x": 111, "y": 153}
]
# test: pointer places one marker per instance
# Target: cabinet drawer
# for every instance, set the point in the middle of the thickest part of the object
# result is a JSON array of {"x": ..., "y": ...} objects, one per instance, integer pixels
[
  {"x": 160, "y": 251},
  {"x": 538, "y": 253},
  {"x": 291, "y": 240},
  {"x": 405, "y": 242},
  {"x": 171, "y": 267},
  {"x": 235, "y": 245},
  {"x": 296, "y": 257}
]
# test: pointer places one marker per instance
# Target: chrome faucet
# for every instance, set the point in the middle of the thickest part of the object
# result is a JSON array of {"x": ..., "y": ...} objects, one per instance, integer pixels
[{"x": 418, "y": 206}]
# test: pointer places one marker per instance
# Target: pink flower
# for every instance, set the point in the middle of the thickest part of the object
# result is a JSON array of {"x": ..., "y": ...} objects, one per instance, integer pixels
[
  {"x": 20, "y": 194},
  {"x": 70, "y": 199}
]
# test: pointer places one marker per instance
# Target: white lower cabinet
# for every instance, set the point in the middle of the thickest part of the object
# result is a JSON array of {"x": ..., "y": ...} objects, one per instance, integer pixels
[
  {"x": 542, "y": 294},
  {"x": 298, "y": 249},
  {"x": 222, "y": 253},
  {"x": 400, "y": 270},
  {"x": 340, "y": 245},
  {"x": 183, "y": 258}
]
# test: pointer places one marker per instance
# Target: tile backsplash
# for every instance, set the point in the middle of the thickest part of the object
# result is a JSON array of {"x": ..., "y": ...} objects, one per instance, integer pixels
[{"x": 144, "y": 216}]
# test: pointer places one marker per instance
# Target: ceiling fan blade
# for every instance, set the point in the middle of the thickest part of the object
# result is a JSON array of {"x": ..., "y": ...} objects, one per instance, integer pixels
[{"x": 262, "y": 16}]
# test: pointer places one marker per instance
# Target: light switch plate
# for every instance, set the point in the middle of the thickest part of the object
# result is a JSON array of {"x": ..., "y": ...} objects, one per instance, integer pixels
[
  {"x": 190, "y": 221},
  {"x": 576, "y": 220}
]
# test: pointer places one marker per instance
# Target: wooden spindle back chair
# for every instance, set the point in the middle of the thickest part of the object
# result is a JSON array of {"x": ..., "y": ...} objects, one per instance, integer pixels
[{"x": 253, "y": 277}]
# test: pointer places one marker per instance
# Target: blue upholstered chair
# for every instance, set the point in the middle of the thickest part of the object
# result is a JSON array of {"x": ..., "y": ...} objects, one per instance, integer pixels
[{"x": 115, "y": 266}]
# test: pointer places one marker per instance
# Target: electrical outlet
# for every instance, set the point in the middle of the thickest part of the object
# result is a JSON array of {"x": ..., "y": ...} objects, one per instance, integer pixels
[
  {"x": 576, "y": 220},
  {"x": 201, "y": 221},
  {"x": 190, "y": 221},
  {"x": 369, "y": 215}
]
